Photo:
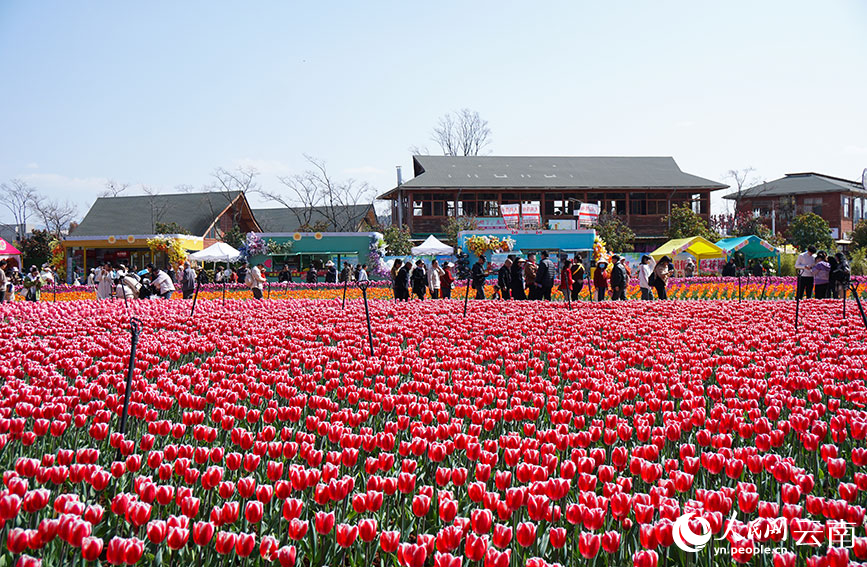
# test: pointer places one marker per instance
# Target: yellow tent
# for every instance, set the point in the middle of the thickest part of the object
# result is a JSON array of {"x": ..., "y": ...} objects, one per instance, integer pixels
[{"x": 699, "y": 247}]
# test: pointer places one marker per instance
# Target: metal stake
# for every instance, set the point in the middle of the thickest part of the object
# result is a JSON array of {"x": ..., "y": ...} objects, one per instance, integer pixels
[
  {"x": 739, "y": 288},
  {"x": 845, "y": 292},
  {"x": 467, "y": 296},
  {"x": 363, "y": 285},
  {"x": 858, "y": 301},
  {"x": 195, "y": 297},
  {"x": 134, "y": 331},
  {"x": 797, "y": 308},
  {"x": 345, "y": 285},
  {"x": 767, "y": 279},
  {"x": 224, "y": 293}
]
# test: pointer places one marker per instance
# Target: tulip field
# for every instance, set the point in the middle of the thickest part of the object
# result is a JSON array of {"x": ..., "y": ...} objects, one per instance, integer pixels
[{"x": 524, "y": 434}]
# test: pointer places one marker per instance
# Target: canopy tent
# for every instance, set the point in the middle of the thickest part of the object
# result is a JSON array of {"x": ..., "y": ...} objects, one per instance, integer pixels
[
  {"x": 9, "y": 252},
  {"x": 432, "y": 247},
  {"x": 750, "y": 246},
  {"x": 700, "y": 248},
  {"x": 219, "y": 252}
]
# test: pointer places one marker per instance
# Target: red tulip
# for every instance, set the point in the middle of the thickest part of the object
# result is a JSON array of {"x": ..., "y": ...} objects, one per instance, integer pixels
[
  {"x": 526, "y": 534},
  {"x": 177, "y": 538},
  {"x": 91, "y": 548},
  {"x": 324, "y": 522},
  {"x": 245, "y": 544},
  {"x": 645, "y": 559},
  {"x": 367, "y": 530}
]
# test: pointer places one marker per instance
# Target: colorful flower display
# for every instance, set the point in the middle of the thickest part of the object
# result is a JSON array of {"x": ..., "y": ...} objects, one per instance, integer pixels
[
  {"x": 265, "y": 433},
  {"x": 481, "y": 245}
]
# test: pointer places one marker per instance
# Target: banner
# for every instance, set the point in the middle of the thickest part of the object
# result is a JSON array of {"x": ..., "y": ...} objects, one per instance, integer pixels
[
  {"x": 588, "y": 213},
  {"x": 530, "y": 217},
  {"x": 511, "y": 215}
]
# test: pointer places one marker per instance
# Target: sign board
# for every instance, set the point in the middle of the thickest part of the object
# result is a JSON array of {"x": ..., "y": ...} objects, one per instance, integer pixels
[
  {"x": 511, "y": 215},
  {"x": 530, "y": 217},
  {"x": 588, "y": 213},
  {"x": 561, "y": 224},
  {"x": 491, "y": 223}
]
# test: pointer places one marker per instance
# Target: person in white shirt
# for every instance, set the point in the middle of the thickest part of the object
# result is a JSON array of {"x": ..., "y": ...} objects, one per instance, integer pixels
[
  {"x": 434, "y": 277},
  {"x": 644, "y": 271},
  {"x": 103, "y": 282},
  {"x": 255, "y": 280},
  {"x": 362, "y": 273},
  {"x": 804, "y": 264},
  {"x": 161, "y": 282}
]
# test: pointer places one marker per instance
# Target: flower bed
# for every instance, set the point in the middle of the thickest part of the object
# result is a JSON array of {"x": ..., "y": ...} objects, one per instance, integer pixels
[{"x": 264, "y": 433}]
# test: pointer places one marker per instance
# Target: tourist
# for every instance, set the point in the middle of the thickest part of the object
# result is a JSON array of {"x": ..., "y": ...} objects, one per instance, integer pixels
[
  {"x": 804, "y": 265},
  {"x": 330, "y": 272},
  {"x": 4, "y": 281},
  {"x": 256, "y": 279},
  {"x": 600, "y": 280},
  {"x": 434, "y": 279},
  {"x": 161, "y": 282},
  {"x": 357, "y": 271},
  {"x": 448, "y": 280},
  {"x": 188, "y": 281},
  {"x": 91, "y": 277},
  {"x": 346, "y": 273},
  {"x": 530, "y": 269},
  {"x": 103, "y": 281},
  {"x": 659, "y": 278},
  {"x": 479, "y": 276},
  {"x": 689, "y": 269},
  {"x": 401, "y": 282},
  {"x": 202, "y": 277},
  {"x": 821, "y": 275},
  {"x": 841, "y": 274},
  {"x": 242, "y": 273},
  {"x": 33, "y": 283},
  {"x": 518, "y": 279},
  {"x": 419, "y": 279},
  {"x": 618, "y": 279},
  {"x": 545, "y": 274},
  {"x": 284, "y": 276},
  {"x": 128, "y": 286},
  {"x": 566, "y": 279},
  {"x": 361, "y": 274},
  {"x": 730, "y": 270},
  {"x": 395, "y": 268},
  {"x": 645, "y": 268},
  {"x": 757, "y": 270},
  {"x": 229, "y": 275},
  {"x": 504, "y": 279},
  {"x": 312, "y": 276},
  {"x": 577, "y": 269}
]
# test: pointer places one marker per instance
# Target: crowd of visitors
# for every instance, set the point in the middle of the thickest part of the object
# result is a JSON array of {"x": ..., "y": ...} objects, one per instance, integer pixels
[{"x": 825, "y": 274}]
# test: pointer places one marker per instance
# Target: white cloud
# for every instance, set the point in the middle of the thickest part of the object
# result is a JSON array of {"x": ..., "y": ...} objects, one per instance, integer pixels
[{"x": 32, "y": 165}]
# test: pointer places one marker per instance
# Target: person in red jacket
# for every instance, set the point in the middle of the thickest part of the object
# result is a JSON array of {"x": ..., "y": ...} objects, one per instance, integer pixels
[
  {"x": 566, "y": 278},
  {"x": 600, "y": 280}
]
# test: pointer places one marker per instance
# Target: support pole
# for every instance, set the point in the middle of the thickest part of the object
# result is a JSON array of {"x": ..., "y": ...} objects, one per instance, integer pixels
[
  {"x": 195, "y": 297},
  {"x": 797, "y": 310},
  {"x": 134, "y": 331},
  {"x": 858, "y": 301},
  {"x": 269, "y": 290},
  {"x": 739, "y": 288},
  {"x": 845, "y": 292},
  {"x": 467, "y": 296},
  {"x": 345, "y": 285},
  {"x": 224, "y": 293},
  {"x": 364, "y": 285},
  {"x": 767, "y": 279}
]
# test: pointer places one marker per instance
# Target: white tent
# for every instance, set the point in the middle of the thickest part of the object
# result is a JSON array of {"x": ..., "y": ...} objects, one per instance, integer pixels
[
  {"x": 432, "y": 247},
  {"x": 219, "y": 252}
]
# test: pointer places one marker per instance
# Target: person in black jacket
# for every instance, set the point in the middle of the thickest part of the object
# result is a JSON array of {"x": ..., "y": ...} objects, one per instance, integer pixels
[
  {"x": 401, "y": 282},
  {"x": 545, "y": 274},
  {"x": 285, "y": 276},
  {"x": 330, "y": 272},
  {"x": 312, "y": 276},
  {"x": 577, "y": 269},
  {"x": 419, "y": 279},
  {"x": 518, "y": 279},
  {"x": 617, "y": 279},
  {"x": 479, "y": 276},
  {"x": 730, "y": 270},
  {"x": 504, "y": 279}
]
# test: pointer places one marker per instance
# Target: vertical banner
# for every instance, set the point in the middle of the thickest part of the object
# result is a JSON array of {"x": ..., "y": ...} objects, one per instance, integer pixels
[
  {"x": 511, "y": 215},
  {"x": 530, "y": 217},
  {"x": 588, "y": 213}
]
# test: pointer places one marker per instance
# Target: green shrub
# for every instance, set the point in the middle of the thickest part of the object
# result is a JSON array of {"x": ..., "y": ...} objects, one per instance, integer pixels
[
  {"x": 787, "y": 265},
  {"x": 858, "y": 264}
]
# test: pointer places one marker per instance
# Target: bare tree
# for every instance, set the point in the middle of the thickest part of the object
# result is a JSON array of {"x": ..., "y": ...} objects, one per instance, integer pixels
[
  {"x": 157, "y": 205},
  {"x": 462, "y": 133},
  {"x": 113, "y": 188},
  {"x": 227, "y": 183},
  {"x": 55, "y": 215},
  {"x": 315, "y": 190},
  {"x": 741, "y": 178},
  {"x": 18, "y": 197}
]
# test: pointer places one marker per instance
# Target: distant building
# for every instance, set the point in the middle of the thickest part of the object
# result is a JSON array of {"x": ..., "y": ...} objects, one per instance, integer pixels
[
  {"x": 116, "y": 229},
  {"x": 12, "y": 232},
  {"x": 640, "y": 190},
  {"x": 841, "y": 202},
  {"x": 349, "y": 218}
]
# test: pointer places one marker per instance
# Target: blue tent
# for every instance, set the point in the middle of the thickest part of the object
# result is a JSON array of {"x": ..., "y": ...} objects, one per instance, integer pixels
[{"x": 751, "y": 247}]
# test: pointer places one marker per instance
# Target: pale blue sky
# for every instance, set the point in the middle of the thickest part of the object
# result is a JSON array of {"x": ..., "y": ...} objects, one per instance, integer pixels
[{"x": 161, "y": 93}]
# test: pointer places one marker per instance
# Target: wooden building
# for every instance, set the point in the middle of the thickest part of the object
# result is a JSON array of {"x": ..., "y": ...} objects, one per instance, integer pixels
[
  {"x": 640, "y": 190},
  {"x": 841, "y": 202}
]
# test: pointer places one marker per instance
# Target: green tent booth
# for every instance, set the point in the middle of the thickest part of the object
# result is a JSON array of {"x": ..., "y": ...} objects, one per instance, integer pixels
[
  {"x": 309, "y": 248},
  {"x": 751, "y": 247}
]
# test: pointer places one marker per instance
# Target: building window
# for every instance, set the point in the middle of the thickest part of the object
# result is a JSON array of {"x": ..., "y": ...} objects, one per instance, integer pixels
[
  {"x": 417, "y": 208},
  {"x": 488, "y": 205},
  {"x": 813, "y": 205},
  {"x": 858, "y": 209},
  {"x": 846, "y": 207}
]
